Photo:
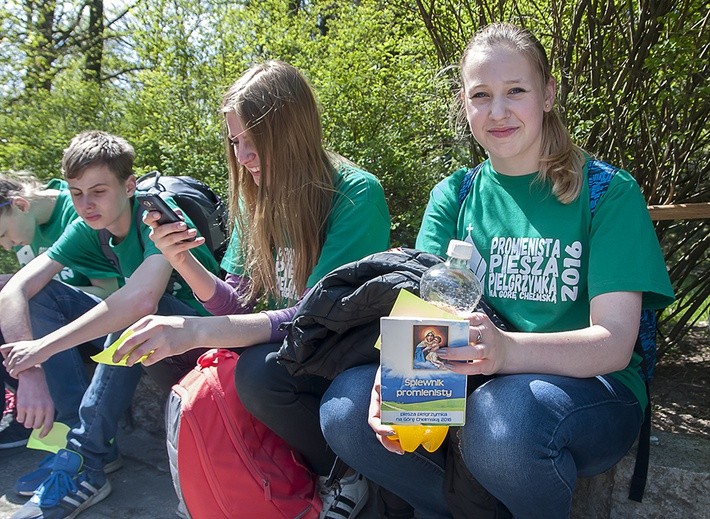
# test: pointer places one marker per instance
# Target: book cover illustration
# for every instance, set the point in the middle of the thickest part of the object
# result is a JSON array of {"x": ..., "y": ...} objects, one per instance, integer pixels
[{"x": 417, "y": 388}]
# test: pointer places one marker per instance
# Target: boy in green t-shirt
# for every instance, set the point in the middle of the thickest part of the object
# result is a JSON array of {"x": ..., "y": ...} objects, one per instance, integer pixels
[
  {"x": 99, "y": 170},
  {"x": 33, "y": 215}
]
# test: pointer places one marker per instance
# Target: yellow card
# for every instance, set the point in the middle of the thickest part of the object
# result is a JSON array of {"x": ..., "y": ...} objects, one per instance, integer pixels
[
  {"x": 106, "y": 356},
  {"x": 56, "y": 438},
  {"x": 409, "y": 305}
]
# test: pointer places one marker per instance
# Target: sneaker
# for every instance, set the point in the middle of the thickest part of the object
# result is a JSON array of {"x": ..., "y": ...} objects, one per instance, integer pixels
[
  {"x": 345, "y": 498},
  {"x": 14, "y": 434},
  {"x": 65, "y": 493},
  {"x": 27, "y": 484},
  {"x": 181, "y": 511},
  {"x": 9, "y": 401}
]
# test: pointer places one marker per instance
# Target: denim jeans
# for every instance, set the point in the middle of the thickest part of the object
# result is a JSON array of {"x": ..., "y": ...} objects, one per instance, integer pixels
[
  {"x": 286, "y": 404},
  {"x": 527, "y": 437},
  {"x": 108, "y": 394},
  {"x": 56, "y": 305}
]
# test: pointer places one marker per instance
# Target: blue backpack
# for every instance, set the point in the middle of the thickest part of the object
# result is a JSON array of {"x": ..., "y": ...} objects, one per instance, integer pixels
[{"x": 600, "y": 175}]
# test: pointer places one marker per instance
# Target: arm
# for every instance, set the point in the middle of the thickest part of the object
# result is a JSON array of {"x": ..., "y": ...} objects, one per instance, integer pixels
[
  {"x": 139, "y": 297},
  {"x": 164, "y": 336},
  {"x": 16, "y": 294},
  {"x": 35, "y": 407},
  {"x": 603, "y": 347},
  {"x": 102, "y": 287}
]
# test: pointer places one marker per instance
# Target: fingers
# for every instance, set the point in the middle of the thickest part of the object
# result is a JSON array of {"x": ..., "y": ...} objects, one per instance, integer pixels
[
  {"x": 36, "y": 418},
  {"x": 383, "y": 432},
  {"x": 15, "y": 365},
  {"x": 48, "y": 423},
  {"x": 171, "y": 234},
  {"x": 135, "y": 347}
]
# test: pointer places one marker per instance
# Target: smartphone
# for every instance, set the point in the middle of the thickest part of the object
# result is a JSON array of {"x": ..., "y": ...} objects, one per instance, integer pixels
[{"x": 151, "y": 202}]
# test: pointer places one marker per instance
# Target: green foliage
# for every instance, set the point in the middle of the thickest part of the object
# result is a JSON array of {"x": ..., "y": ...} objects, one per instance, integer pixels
[
  {"x": 632, "y": 84},
  {"x": 8, "y": 262}
]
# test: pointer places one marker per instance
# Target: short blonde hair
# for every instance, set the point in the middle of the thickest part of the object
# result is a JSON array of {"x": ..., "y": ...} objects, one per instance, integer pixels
[{"x": 98, "y": 148}]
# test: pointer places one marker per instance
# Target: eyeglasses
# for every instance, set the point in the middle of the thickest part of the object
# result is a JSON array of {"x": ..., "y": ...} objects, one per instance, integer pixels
[{"x": 6, "y": 202}]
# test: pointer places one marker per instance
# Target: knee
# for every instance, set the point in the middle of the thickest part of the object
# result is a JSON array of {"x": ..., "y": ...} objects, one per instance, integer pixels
[
  {"x": 344, "y": 407},
  {"x": 506, "y": 424},
  {"x": 256, "y": 377}
]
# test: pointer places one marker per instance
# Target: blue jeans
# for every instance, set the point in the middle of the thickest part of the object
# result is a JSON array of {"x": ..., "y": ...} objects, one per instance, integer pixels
[
  {"x": 110, "y": 391},
  {"x": 56, "y": 305},
  {"x": 526, "y": 440}
]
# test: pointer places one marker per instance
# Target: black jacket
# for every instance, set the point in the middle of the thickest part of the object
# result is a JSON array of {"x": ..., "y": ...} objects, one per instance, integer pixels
[{"x": 338, "y": 322}]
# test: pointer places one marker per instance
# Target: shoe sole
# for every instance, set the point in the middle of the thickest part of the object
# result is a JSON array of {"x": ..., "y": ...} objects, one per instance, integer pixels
[
  {"x": 13, "y": 445},
  {"x": 109, "y": 468},
  {"x": 96, "y": 498}
]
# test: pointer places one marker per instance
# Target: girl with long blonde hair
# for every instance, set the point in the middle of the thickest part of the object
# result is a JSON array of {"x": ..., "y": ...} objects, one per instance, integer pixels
[{"x": 299, "y": 212}]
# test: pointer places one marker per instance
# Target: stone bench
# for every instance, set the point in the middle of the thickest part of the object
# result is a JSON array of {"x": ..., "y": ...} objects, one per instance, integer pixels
[{"x": 678, "y": 484}]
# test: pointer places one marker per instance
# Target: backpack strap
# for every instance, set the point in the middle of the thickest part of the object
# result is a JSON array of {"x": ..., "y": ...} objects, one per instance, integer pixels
[
  {"x": 599, "y": 177},
  {"x": 107, "y": 250},
  {"x": 468, "y": 182},
  {"x": 643, "y": 451}
]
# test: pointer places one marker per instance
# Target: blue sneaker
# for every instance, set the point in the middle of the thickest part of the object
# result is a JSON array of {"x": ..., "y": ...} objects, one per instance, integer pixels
[
  {"x": 27, "y": 484},
  {"x": 65, "y": 493}
]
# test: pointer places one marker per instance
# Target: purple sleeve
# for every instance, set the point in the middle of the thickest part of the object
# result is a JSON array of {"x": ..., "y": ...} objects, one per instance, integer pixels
[
  {"x": 227, "y": 297},
  {"x": 284, "y": 315},
  {"x": 277, "y": 318}
]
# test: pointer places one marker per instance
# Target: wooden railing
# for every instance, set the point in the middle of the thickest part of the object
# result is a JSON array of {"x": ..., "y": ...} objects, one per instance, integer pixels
[{"x": 679, "y": 211}]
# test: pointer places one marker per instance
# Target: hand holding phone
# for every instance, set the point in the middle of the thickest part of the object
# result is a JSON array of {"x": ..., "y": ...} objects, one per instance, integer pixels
[{"x": 151, "y": 202}]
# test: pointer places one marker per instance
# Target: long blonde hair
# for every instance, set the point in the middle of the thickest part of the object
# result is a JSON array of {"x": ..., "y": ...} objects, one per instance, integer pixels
[
  {"x": 561, "y": 161},
  {"x": 290, "y": 206}
]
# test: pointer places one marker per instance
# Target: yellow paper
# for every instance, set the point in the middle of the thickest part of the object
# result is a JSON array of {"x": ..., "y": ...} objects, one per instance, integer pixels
[
  {"x": 106, "y": 356},
  {"x": 409, "y": 305},
  {"x": 56, "y": 438}
]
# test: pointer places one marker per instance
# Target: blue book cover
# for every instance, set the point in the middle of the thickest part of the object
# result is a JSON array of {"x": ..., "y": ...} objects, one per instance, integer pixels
[{"x": 417, "y": 388}]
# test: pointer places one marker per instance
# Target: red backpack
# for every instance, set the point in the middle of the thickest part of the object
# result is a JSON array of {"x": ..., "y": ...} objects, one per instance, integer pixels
[{"x": 224, "y": 462}]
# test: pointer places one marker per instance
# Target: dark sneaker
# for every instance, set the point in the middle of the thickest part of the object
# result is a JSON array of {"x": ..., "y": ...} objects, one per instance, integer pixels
[
  {"x": 14, "y": 434},
  {"x": 65, "y": 493},
  {"x": 345, "y": 498},
  {"x": 27, "y": 484}
]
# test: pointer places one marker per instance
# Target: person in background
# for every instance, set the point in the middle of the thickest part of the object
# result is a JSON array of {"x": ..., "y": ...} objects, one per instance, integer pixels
[
  {"x": 299, "y": 212},
  {"x": 32, "y": 217},
  {"x": 98, "y": 168},
  {"x": 567, "y": 398}
]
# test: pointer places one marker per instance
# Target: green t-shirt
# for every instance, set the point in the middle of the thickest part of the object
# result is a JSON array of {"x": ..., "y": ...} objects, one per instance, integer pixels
[
  {"x": 358, "y": 225},
  {"x": 540, "y": 261},
  {"x": 47, "y": 233},
  {"x": 79, "y": 246}
]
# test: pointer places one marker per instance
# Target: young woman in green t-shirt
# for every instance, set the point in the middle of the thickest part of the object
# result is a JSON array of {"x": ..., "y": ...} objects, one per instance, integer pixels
[{"x": 566, "y": 396}]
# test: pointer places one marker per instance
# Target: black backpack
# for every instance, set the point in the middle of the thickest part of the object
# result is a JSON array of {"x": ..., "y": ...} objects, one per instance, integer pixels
[{"x": 197, "y": 201}]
